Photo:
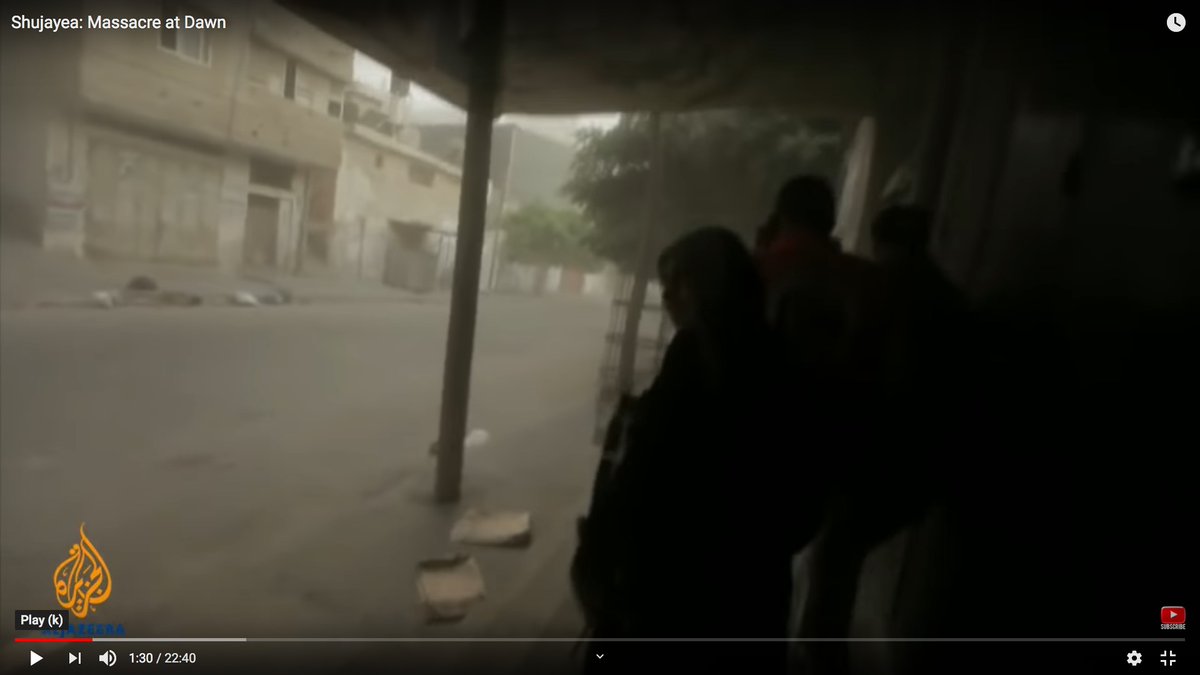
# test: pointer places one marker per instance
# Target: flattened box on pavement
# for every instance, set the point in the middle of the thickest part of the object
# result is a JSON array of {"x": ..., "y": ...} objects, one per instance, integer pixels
[
  {"x": 493, "y": 528},
  {"x": 448, "y": 586}
]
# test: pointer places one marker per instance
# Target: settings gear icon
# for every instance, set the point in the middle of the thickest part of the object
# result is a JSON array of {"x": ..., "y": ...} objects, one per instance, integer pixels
[{"x": 1133, "y": 658}]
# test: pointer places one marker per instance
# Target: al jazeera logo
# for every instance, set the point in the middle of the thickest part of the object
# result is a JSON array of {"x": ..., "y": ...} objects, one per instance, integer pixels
[{"x": 82, "y": 583}]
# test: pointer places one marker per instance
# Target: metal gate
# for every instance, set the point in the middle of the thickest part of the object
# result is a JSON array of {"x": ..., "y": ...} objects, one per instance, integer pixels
[{"x": 655, "y": 332}]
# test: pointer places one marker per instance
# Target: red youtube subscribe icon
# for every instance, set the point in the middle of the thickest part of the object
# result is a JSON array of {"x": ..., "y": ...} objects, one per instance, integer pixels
[{"x": 1173, "y": 618}]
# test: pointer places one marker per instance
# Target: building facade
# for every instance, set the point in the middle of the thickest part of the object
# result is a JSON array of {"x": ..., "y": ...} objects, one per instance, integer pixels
[
  {"x": 390, "y": 211},
  {"x": 188, "y": 145}
]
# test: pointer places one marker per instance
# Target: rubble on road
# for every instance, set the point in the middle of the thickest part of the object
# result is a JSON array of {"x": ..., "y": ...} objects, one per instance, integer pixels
[
  {"x": 244, "y": 299},
  {"x": 157, "y": 298},
  {"x": 494, "y": 528},
  {"x": 105, "y": 299},
  {"x": 141, "y": 283},
  {"x": 448, "y": 586}
]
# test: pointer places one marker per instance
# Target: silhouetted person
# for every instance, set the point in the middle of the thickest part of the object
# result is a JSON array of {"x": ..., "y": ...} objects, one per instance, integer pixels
[
  {"x": 924, "y": 375},
  {"x": 925, "y": 312},
  {"x": 818, "y": 296},
  {"x": 910, "y": 395},
  {"x": 692, "y": 525},
  {"x": 826, "y": 306}
]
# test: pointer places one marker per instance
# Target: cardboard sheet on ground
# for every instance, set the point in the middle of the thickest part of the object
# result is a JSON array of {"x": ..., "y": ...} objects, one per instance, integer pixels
[
  {"x": 493, "y": 528},
  {"x": 448, "y": 586}
]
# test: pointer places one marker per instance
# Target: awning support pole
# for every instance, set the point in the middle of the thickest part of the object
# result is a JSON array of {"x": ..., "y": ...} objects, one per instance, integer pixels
[
  {"x": 484, "y": 51},
  {"x": 645, "y": 262}
]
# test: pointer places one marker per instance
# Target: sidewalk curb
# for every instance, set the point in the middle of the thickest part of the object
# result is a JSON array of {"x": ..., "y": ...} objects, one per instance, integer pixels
[
  {"x": 301, "y": 298},
  {"x": 210, "y": 301}
]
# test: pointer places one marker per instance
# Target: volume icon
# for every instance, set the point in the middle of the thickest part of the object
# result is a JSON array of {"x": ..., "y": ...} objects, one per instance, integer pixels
[{"x": 109, "y": 658}]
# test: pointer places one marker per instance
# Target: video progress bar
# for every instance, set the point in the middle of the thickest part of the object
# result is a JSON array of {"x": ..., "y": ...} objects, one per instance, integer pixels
[
  {"x": 65, "y": 640},
  {"x": 653, "y": 640}
]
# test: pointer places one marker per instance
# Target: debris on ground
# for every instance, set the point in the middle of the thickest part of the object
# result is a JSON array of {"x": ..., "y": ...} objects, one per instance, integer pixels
[
  {"x": 159, "y": 298},
  {"x": 281, "y": 296},
  {"x": 476, "y": 439},
  {"x": 142, "y": 283},
  {"x": 105, "y": 299},
  {"x": 493, "y": 528},
  {"x": 448, "y": 586},
  {"x": 245, "y": 299}
]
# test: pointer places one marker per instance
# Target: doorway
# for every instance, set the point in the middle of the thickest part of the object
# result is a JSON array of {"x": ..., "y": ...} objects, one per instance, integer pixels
[{"x": 261, "y": 243}]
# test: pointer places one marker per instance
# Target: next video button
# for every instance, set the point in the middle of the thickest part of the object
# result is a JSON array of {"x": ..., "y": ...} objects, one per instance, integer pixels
[{"x": 43, "y": 619}]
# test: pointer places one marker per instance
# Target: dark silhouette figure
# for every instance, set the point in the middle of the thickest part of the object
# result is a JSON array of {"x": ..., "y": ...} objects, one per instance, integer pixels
[
  {"x": 818, "y": 296},
  {"x": 823, "y": 307},
  {"x": 910, "y": 385},
  {"x": 924, "y": 331},
  {"x": 691, "y": 535},
  {"x": 922, "y": 389}
]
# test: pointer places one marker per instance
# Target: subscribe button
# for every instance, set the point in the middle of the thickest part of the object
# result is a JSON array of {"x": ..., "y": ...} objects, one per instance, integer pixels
[{"x": 43, "y": 619}]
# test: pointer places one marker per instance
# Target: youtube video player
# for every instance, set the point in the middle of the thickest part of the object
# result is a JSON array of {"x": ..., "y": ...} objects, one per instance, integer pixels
[{"x": 524, "y": 336}]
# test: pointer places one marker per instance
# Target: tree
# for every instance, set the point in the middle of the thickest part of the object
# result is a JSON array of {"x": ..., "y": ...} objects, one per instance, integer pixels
[
  {"x": 720, "y": 167},
  {"x": 537, "y": 234}
]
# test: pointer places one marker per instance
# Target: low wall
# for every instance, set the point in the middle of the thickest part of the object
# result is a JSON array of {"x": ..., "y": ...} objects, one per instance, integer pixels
[{"x": 536, "y": 279}]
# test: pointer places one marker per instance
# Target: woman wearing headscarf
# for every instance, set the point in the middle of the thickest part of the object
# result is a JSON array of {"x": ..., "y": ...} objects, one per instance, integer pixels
[{"x": 697, "y": 531}]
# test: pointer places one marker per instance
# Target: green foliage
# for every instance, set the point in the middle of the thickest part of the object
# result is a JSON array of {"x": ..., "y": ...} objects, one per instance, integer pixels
[
  {"x": 719, "y": 168},
  {"x": 537, "y": 234}
]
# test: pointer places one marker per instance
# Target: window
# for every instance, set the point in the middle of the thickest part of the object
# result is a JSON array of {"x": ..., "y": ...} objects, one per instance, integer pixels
[
  {"x": 421, "y": 174},
  {"x": 336, "y": 104},
  {"x": 289, "y": 80},
  {"x": 411, "y": 235},
  {"x": 193, "y": 44},
  {"x": 263, "y": 172}
]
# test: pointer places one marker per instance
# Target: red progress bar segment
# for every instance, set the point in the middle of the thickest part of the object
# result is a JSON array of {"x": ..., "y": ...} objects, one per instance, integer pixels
[{"x": 52, "y": 639}]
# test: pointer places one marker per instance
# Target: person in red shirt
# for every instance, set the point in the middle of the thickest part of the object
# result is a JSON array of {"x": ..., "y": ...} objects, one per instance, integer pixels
[
  {"x": 819, "y": 298},
  {"x": 824, "y": 306}
]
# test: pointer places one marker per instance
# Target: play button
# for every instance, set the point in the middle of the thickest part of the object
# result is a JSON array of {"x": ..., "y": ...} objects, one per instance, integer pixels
[{"x": 34, "y": 657}]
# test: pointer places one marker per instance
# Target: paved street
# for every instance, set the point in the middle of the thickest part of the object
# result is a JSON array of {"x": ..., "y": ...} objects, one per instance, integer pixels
[{"x": 265, "y": 472}]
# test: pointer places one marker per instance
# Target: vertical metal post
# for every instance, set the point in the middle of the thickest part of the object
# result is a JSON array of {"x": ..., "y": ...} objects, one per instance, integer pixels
[
  {"x": 362, "y": 243},
  {"x": 484, "y": 42},
  {"x": 645, "y": 262},
  {"x": 302, "y": 234},
  {"x": 498, "y": 227}
]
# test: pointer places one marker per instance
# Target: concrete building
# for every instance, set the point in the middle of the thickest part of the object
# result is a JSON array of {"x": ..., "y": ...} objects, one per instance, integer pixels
[
  {"x": 390, "y": 212},
  {"x": 186, "y": 145}
]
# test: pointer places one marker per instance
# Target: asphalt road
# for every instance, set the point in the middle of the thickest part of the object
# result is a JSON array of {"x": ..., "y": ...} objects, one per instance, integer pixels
[{"x": 265, "y": 472}]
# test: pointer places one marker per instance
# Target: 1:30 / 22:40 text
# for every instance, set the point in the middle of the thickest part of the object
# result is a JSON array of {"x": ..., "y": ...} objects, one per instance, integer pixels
[{"x": 169, "y": 658}]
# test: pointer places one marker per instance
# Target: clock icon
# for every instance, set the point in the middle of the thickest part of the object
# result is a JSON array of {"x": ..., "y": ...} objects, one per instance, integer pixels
[{"x": 1176, "y": 22}]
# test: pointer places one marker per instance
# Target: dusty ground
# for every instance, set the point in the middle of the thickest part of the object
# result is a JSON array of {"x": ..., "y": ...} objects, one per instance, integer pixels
[{"x": 264, "y": 472}]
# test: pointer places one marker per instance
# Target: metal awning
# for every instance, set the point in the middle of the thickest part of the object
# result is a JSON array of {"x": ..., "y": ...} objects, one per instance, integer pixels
[
  {"x": 630, "y": 55},
  {"x": 621, "y": 55}
]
